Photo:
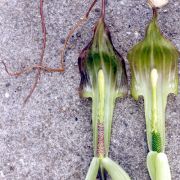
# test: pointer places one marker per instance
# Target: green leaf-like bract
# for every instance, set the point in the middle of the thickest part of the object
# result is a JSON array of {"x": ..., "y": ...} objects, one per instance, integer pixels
[
  {"x": 154, "y": 53},
  {"x": 158, "y": 166},
  {"x": 93, "y": 169},
  {"x": 114, "y": 170}
]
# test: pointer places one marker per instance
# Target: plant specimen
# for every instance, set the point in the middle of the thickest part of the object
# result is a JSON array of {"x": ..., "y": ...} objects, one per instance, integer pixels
[
  {"x": 103, "y": 79},
  {"x": 154, "y": 66}
]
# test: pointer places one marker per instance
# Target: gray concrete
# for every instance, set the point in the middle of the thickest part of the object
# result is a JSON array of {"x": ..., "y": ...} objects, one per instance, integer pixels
[{"x": 51, "y": 138}]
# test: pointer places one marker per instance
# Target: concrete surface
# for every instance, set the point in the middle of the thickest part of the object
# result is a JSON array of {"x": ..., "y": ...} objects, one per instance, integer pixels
[{"x": 51, "y": 138}]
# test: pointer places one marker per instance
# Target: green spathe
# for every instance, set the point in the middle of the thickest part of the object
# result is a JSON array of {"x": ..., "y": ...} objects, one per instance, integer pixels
[
  {"x": 103, "y": 79},
  {"x": 154, "y": 52},
  {"x": 154, "y": 66},
  {"x": 101, "y": 55}
]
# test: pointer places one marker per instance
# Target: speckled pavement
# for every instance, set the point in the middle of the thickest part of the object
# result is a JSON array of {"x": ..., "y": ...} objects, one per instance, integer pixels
[{"x": 51, "y": 137}]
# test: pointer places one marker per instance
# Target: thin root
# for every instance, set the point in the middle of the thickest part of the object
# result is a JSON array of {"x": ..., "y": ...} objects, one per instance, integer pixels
[
  {"x": 76, "y": 26},
  {"x": 39, "y": 67},
  {"x": 30, "y": 69}
]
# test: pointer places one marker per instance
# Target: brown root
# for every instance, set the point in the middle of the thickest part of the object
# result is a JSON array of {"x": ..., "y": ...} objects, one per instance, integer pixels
[
  {"x": 103, "y": 9},
  {"x": 76, "y": 26},
  {"x": 40, "y": 66}
]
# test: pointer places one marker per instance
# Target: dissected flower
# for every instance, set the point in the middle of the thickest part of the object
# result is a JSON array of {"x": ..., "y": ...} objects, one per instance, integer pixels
[
  {"x": 154, "y": 66},
  {"x": 103, "y": 78}
]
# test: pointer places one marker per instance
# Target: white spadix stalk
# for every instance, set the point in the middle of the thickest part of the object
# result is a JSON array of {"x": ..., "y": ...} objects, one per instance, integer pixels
[{"x": 154, "y": 79}]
